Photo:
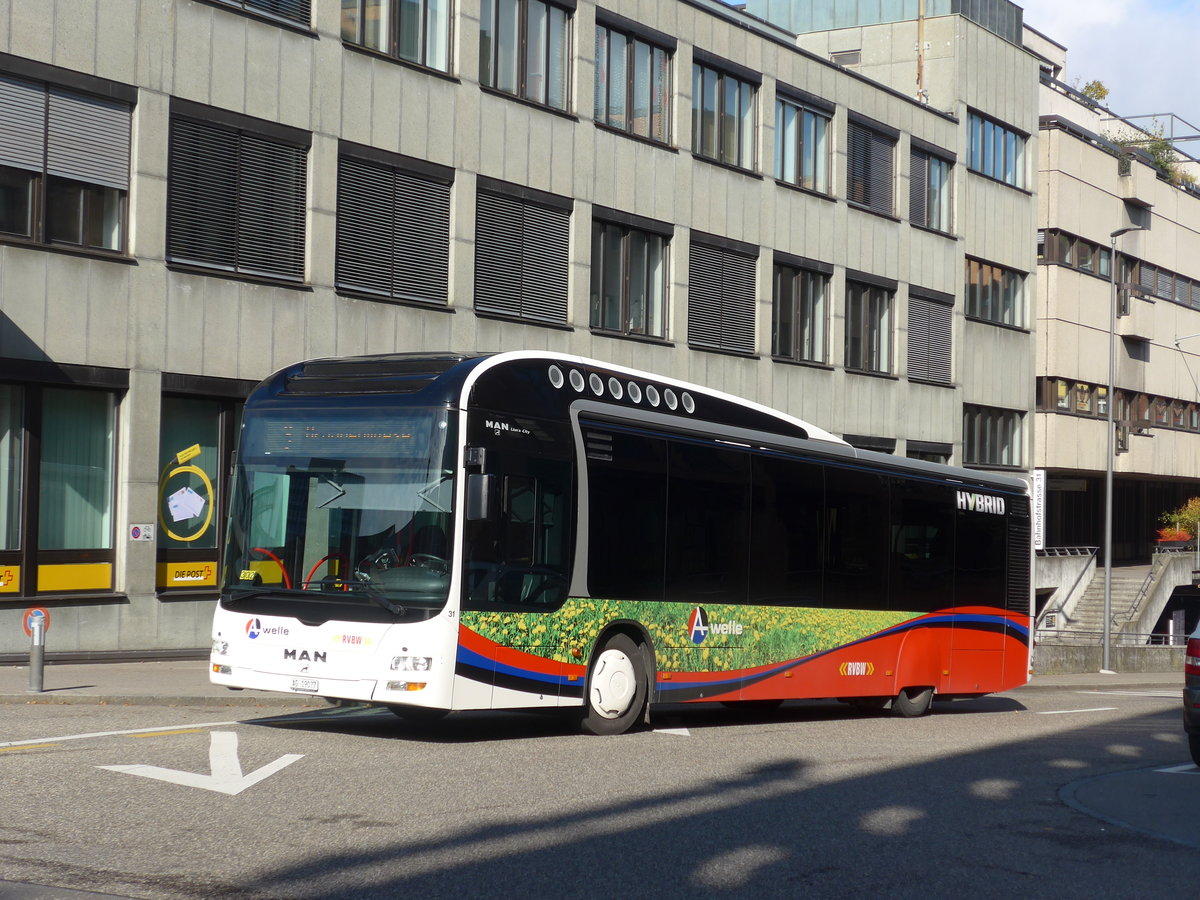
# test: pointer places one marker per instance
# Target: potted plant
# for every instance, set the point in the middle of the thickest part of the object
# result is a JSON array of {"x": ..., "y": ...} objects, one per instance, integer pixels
[
  {"x": 1173, "y": 538},
  {"x": 1180, "y": 526}
]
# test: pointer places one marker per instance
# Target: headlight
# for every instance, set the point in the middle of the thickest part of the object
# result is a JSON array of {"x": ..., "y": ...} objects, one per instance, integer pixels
[
  {"x": 412, "y": 663},
  {"x": 220, "y": 647}
]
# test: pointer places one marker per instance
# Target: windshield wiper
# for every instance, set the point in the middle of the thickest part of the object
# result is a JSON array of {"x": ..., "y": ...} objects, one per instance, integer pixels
[
  {"x": 376, "y": 597},
  {"x": 252, "y": 593},
  {"x": 424, "y": 492}
]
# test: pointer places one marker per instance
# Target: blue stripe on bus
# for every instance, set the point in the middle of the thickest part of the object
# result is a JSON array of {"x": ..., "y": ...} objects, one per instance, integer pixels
[{"x": 476, "y": 660}]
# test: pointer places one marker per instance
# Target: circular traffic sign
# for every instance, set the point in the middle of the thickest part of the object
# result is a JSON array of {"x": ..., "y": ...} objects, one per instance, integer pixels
[{"x": 35, "y": 612}]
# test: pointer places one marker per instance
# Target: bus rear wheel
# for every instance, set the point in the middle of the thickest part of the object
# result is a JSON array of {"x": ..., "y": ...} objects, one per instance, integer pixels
[
  {"x": 616, "y": 688},
  {"x": 912, "y": 702}
]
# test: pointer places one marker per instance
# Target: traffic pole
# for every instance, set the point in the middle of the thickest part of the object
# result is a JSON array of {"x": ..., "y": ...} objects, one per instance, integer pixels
[{"x": 37, "y": 653}]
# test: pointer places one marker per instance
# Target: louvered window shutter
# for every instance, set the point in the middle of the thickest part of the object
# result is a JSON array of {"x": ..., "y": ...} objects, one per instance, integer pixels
[
  {"x": 422, "y": 242},
  {"x": 521, "y": 258},
  {"x": 202, "y": 195},
  {"x": 298, "y": 11},
  {"x": 929, "y": 340},
  {"x": 721, "y": 292},
  {"x": 918, "y": 188},
  {"x": 544, "y": 263},
  {"x": 235, "y": 201},
  {"x": 88, "y": 139},
  {"x": 871, "y": 164},
  {"x": 393, "y": 232},
  {"x": 23, "y": 111},
  {"x": 271, "y": 208}
]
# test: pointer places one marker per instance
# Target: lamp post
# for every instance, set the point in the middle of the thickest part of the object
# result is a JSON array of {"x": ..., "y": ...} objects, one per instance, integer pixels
[{"x": 1105, "y": 665}]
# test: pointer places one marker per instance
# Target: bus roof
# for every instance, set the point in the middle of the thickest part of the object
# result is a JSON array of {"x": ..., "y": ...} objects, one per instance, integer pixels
[{"x": 453, "y": 378}]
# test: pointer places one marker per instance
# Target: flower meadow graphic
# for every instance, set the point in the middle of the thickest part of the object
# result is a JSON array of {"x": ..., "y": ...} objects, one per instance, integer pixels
[{"x": 687, "y": 637}]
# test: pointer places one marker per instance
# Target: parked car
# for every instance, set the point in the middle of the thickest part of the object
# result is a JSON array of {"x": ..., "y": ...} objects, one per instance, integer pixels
[{"x": 1191, "y": 694}]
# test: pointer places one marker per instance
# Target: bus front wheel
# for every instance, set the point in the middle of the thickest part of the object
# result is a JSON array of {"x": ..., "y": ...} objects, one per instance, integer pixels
[
  {"x": 912, "y": 702},
  {"x": 616, "y": 688}
]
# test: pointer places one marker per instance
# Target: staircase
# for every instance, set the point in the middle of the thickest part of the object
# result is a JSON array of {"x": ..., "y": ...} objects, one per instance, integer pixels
[{"x": 1127, "y": 581}]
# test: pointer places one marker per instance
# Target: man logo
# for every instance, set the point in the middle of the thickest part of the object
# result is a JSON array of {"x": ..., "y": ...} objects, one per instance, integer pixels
[{"x": 698, "y": 625}]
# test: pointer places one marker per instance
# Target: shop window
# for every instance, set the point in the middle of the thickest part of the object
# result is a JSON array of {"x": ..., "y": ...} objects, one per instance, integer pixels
[
  {"x": 196, "y": 438},
  {"x": 57, "y": 490}
]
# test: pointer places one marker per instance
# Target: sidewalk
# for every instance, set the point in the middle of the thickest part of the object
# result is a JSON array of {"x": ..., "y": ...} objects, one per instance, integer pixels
[
  {"x": 144, "y": 683},
  {"x": 185, "y": 683}
]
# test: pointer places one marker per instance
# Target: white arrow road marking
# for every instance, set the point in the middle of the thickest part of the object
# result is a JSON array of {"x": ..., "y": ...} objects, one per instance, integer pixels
[
  {"x": 1188, "y": 769},
  {"x": 226, "y": 777}
]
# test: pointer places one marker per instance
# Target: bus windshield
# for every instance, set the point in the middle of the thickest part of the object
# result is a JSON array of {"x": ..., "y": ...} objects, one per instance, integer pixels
[{"x": 348, "y": 504}]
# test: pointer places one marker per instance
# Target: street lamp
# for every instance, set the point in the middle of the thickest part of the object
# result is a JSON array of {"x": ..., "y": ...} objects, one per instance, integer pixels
[{"x": 1105, "y": 665}]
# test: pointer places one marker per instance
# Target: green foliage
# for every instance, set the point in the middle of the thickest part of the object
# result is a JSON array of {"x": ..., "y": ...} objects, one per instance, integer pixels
[
  {"x": 1094, "y": 90},
  {"x": 1165, "y": 160},
  {"x": 1184, "y": 520}
]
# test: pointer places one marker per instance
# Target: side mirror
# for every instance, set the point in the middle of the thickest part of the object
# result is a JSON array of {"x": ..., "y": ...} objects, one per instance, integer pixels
[{"x": 481, "y": 497}]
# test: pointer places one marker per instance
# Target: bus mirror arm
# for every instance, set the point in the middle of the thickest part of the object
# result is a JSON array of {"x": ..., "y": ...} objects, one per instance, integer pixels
[{"x": 481, "y": 497}]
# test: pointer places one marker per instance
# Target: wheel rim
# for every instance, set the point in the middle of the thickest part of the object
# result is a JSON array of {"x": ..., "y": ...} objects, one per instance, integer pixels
[{"x": 614, "y": 684}]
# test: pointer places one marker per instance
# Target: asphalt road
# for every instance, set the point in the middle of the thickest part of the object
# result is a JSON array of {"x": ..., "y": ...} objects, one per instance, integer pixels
[{"x": 1055, "y": 792}]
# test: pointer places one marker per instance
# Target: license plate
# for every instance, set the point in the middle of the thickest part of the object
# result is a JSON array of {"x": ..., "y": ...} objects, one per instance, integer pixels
[{"x": 308, "y": 685}]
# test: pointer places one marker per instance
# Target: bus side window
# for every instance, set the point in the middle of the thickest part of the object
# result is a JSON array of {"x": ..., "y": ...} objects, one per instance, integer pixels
[
  {"x": 787, "y": 505},
  {"x": 980, "y": 558},
  {"x": 857, "y": 539},
  {"x": 922, "y": 551},
  {"x": 521, "y": 560}
]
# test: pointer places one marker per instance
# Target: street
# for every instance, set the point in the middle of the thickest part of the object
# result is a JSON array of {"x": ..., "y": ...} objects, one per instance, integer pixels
[{"x": 1002, "y": 796}]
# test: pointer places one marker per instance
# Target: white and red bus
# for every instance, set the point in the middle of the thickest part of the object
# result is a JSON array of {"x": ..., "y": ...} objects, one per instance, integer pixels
[{"x": 444, "y": 532}]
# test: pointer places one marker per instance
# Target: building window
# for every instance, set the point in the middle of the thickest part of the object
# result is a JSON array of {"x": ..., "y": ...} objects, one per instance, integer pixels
[
  {"x": 57, "y": 489},
  {"x": 629, "y": 280},
  {"x": 802, "y": 146},
  {"x": 297, "y": 11},
  {"x": 930, "y": 328},
  {"x": 64, "y": 166},
  {"x": 236, "y": 198},
  {"x": 521, "y": 255},
  {"x": 416, "y": 31},
  {"x": 992, "y": 437},
  {"x": 721, "y": 295},
  {"x": 995, "y": 150},
  {"x": 995, "y": 294},
  {"x": 869, "y": 175},
  {"x": 633, "y": 85},
  {"x": 723, "y": 117},
  {"x": 929, "y": 191},
  {"x": 196, "y": 440},
  {"x": 799, "y": 307},
  {"x": 868, "y": 328},
  {"x": 524, "y": 49},
  {"x": 393, "y": 231}
]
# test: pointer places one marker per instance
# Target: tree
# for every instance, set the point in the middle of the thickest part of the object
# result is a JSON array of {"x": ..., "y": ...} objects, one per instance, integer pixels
[
  {"x": 1184, "y": 519},
  {"x": 1094, "y": 90}
]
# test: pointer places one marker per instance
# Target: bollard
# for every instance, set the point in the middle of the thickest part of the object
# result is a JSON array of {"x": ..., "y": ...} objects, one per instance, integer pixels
[{"x": 37, "y": 652}]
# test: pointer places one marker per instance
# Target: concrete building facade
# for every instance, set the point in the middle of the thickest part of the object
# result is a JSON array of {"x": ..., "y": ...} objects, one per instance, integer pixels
[{"x": 197, "y": 192}]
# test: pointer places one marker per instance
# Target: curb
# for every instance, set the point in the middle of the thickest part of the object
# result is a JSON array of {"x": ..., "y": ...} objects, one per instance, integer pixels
[{"x": 48, "y": 699}]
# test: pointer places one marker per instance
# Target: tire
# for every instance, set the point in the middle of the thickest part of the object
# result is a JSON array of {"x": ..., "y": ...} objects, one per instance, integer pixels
[
  {"x": 1194, "y": 747},
  {"x": 912, "y": 702},
  {"x": 418, "y": 713},
  {"x": 616, "y": 688}
]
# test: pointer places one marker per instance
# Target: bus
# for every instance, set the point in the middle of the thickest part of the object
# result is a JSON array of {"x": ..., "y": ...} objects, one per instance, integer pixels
[{"x": 532, "y": 530}]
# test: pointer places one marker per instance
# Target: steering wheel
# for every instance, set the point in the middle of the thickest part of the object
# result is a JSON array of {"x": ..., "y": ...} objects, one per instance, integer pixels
[{"x": 430, "y": 561}]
